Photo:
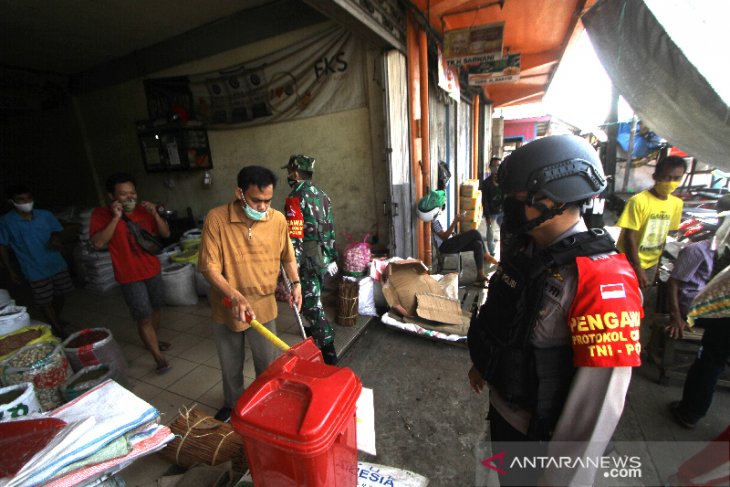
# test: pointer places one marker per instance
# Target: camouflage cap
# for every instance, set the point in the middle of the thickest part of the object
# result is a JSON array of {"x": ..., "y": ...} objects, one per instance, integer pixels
[{"x": 300, "y": 162}]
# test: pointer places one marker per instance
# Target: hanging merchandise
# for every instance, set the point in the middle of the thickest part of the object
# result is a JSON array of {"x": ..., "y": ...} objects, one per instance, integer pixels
[
  {"x": 444, "y": 175},
  {"x": 448, "y": 77}
]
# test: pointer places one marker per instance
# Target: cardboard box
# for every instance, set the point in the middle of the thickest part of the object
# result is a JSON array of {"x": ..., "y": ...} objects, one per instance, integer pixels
[
  {"x": 412, "y": 292},
  {"x": 470, "y": 203},
  {"x": 471, "y": 215},
  {"x": 469, "y": 188}
]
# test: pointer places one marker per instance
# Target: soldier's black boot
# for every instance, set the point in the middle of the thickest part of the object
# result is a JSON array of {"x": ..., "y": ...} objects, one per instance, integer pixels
[{"x": 329, "y": 354}]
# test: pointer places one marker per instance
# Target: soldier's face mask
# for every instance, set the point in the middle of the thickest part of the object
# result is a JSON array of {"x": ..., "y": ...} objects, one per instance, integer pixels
[{"x": 291, "y": 178}]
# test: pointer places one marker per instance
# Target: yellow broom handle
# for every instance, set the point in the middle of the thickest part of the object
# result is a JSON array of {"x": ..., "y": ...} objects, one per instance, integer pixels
[{"x": 275, "y": 340}]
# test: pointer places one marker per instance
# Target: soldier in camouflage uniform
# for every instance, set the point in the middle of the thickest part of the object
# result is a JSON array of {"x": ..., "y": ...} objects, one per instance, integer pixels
[{"x": 312, "y": 232}]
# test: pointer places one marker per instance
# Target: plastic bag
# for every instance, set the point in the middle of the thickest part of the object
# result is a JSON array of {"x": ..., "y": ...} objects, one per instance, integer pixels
[
  {"x": 18, "y": 401},
  {"x": 94, "y": 346},
  {"x": 13, "y": 318},
  {"x": 179, "y": 282},
  {"x": 43, "y": 364},
  {"x": 357, "y": 256},
  {"x": 366, "y": 297}
]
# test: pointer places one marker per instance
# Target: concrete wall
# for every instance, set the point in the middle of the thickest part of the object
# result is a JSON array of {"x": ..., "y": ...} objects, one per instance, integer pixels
[
  {"x": 44, "y": 150},
  {"x": 347, "y": 146}
]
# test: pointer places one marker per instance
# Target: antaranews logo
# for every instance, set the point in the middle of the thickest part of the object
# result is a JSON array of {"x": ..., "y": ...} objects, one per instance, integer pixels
[
  {"x": 613, "y": 466},
  {"x": 488, "y": 463}
]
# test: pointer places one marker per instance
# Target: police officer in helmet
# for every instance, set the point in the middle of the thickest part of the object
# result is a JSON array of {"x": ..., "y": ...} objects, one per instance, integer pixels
[{"x": 557, "y": 337}]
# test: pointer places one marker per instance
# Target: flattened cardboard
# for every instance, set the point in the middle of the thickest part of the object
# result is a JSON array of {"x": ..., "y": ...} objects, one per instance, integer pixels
[
  {"x": 460, "y": 329},
  {"x": 403, "y": 281},
  {"x": 439, "y": 308}
]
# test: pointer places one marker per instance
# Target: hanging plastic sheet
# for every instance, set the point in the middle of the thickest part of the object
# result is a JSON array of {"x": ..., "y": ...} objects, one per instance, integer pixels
[{"x": 663, "y": 86}]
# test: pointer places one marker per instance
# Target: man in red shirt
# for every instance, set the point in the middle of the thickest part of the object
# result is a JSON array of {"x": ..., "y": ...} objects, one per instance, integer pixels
[{"x": 137, "y": 271}]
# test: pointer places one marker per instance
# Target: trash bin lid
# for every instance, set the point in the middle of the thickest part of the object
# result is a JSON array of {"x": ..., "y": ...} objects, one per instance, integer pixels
[{"x": 298, "y": 404}]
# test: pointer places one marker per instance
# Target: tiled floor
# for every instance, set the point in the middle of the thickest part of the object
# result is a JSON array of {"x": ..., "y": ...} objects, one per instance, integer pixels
[{"x": 195, "y": 374}]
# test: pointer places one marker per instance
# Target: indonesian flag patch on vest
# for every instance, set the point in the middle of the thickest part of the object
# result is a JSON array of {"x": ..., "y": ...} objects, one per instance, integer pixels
[
  {"x": 294, "y": 217},
  {"x": 606, "y": 313}
]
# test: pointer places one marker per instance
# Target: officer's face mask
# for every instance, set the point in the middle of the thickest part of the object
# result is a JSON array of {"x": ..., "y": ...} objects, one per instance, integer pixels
[
  {"x": 515, "y": 220},
  {"x": 515, "y": 214}
]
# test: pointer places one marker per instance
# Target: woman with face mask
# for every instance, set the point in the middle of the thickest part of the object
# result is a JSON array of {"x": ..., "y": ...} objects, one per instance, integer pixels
[{"x": 649, "y": 216}]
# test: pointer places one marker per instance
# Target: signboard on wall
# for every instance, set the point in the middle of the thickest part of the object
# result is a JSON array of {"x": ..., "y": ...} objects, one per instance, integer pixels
[
  {"x": 503, "y": 70},
  {"x": 448, "y": 77},
  {"x": 319, "y": 75},
  {"x": 474, "y": 45}
]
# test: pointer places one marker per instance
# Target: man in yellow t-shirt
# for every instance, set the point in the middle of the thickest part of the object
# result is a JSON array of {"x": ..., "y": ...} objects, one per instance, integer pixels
[{"x": 649, "y": 216}]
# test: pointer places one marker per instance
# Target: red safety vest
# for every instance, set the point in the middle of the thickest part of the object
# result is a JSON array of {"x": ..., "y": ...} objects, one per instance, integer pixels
[{"x": 606, "y": 313}]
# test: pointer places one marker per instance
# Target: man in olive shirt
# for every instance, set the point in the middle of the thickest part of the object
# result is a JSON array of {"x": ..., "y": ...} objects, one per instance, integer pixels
[{"x": 243, "y": 245}]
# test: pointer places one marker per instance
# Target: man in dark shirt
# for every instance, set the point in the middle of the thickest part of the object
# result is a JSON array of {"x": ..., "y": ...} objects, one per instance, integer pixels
[{"x": 492, "y": 203}]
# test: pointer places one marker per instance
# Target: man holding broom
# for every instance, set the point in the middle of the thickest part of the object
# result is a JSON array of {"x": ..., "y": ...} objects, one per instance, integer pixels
[{"x": 244, "y": 244}]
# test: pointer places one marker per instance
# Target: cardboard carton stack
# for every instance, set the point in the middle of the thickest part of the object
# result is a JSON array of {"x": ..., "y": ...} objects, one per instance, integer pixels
[{"x": 470, "y": 200}]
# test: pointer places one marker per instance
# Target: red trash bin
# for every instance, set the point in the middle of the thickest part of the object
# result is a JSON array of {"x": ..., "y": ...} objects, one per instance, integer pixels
[{"x": 297, "y": 420}]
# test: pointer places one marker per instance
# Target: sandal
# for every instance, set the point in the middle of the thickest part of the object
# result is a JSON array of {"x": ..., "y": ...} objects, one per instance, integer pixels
[
  {"x": 481, "y": 282},
  {"x": 164, "y": 346},
  {"x": 161, "y": 369}
]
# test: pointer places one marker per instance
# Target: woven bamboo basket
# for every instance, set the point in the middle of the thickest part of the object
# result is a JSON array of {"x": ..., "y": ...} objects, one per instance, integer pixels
[
  {"x": 347, "y": 303},
  {"x": 200, "y": 438}
]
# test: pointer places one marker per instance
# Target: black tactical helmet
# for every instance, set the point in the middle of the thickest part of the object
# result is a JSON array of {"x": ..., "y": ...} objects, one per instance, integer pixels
[{"x": 565, "y": 168}]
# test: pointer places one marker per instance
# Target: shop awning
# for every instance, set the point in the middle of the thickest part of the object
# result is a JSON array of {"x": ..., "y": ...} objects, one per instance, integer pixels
[
  {"x": 540, "y": 30},
  {"x": 671, "y": 92}
]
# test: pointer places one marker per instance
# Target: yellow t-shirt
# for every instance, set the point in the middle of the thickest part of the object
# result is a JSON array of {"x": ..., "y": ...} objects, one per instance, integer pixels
[
  {"x": 249, "y": 260},
  {"x": 653, "y": 218}
]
